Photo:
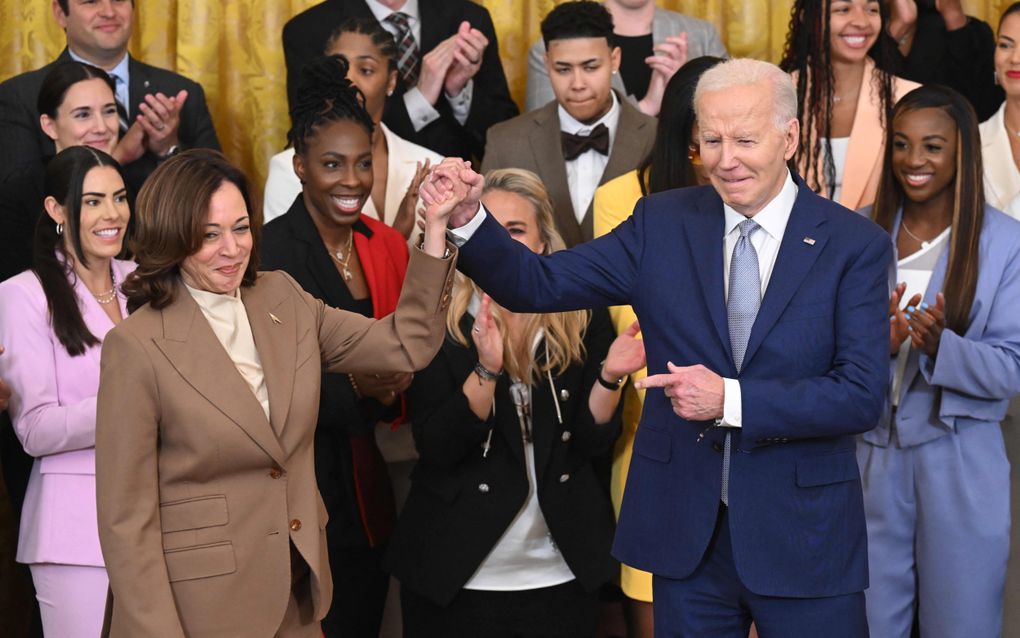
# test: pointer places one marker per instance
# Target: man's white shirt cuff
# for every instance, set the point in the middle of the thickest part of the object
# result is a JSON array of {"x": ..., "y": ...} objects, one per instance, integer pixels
[
  {"x": 732, "y": 414},
  {"x": 419, "y": 110},
  {"x": 460, "y": 236}
]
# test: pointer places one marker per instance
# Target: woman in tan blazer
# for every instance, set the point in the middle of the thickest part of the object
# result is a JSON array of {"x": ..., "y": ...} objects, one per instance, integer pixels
[
  {"x": 844, "y": 98},
  {"x": 209, "y": 516}
]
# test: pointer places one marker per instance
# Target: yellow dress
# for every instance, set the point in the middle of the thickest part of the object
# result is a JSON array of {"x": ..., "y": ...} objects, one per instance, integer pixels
[{"x": 614, "y": 202}]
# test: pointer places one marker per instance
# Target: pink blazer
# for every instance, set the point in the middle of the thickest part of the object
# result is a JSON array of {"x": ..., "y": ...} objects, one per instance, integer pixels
[{"x": 53, "y": 408}]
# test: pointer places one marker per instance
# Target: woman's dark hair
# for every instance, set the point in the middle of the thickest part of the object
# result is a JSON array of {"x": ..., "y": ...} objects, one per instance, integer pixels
[
  {"x": 668, "y": 165},
  {"x": 171, "y": 214},
  {"x": 325, "y": 95},
  {"x": 580, "y": 19},
  {"x": 51, "y": 263},
  {"x": 61, "y": 78},
  {"x": 968, "y": 200},
  {"x": 381, "y": 38},
  {"x": 807, "y": 53},
  {"x": 1008, "y": 11}
]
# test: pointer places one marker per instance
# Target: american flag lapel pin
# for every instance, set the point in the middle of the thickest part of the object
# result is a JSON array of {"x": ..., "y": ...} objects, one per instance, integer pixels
[
  {"x": 274, "y": 318},
  {"x": 809, "y": 241}
]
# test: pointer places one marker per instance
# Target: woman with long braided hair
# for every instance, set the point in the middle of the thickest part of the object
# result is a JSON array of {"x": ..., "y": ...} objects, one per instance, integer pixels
[{"x": 834, "y": 52}]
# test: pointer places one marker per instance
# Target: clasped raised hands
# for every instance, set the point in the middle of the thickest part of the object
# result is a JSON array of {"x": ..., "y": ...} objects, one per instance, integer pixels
[{"x": 451, "y": 193}]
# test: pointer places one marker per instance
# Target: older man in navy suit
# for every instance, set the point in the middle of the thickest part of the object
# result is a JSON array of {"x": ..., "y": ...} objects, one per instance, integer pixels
[{"x": 764, "y": 314}]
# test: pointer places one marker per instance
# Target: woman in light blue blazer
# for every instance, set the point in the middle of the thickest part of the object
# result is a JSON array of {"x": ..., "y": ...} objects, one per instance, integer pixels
[{"x": 935, "y": 474}]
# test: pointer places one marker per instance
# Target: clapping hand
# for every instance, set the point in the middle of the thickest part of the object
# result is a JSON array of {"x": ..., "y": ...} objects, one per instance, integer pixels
[
  {"x": 404, "y": 221},
  {"x": 626, "y": 354},
  {"x": 487, "y": 338},
  {"x": 384, "y": 388},
  {"x": 160, "y": 117},
  {"x": 926, "y": 324},
  {"x": 470, "y": 45},
  {"x": 899, "y": 330},
  {"x": 668, "y": 57}
]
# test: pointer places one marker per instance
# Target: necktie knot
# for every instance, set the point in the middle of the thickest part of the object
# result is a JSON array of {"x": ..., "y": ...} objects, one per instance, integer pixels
[
  {"x": 574, "y": 144},
  {"x": 400, "y": 20},
  {"x": 747, "y": 228}
]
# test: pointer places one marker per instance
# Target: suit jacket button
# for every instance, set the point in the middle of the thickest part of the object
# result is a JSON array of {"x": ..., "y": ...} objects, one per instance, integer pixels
[
  {"x": 483, "y": 488},
  {"x": 275, "y": 473},
  {"x": 564, "y": 478},
  {"x": 295, "y": 525},
  {"x": 565, "y": 436},
  {"x": 718, "y": 446}
]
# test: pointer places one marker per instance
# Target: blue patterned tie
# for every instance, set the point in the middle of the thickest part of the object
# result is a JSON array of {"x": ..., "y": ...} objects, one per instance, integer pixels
[{"x": 741, "y": 310}]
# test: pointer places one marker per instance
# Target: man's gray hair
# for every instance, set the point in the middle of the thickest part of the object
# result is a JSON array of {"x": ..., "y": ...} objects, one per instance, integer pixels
[{"x": 747, "y": 72}]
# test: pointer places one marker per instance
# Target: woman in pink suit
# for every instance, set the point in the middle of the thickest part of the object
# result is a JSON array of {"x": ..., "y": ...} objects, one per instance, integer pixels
[{"x": 53, "y": 318}]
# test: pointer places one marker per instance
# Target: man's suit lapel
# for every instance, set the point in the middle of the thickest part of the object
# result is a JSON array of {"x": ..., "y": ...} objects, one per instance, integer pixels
[
  {"x": 705, "y": 240},
  {"x": 274, "y": 329},
  {"x": 431, "y": 21},
  {"x": 793, "y": 263},
  {"x": 544, "y": 139},
  {"x": 191, "y": 346},
  {"x": 139, "y": 84}
]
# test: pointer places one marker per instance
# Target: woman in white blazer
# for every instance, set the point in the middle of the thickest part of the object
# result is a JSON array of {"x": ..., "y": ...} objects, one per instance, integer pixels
[
  {"x": 372, "y": 53},
  {"x": 999, "y": 148}
]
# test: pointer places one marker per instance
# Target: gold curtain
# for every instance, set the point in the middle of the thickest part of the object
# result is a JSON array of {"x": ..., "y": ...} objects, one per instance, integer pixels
[{"x": 233, "y": 49}]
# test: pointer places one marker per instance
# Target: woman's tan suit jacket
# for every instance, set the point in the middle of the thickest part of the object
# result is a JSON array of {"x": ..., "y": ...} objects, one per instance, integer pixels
[{"x": 199, "y": 496}]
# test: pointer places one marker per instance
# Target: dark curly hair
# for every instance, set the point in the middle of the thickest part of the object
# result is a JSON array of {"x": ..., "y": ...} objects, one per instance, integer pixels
[
  {"x": 808, "y": 54},
  {"x": 381, "y": 38},
  {"x": 171, "y": 215},
  {"x": 324, "y": 94},
  {"x": 580, "y": 19}
]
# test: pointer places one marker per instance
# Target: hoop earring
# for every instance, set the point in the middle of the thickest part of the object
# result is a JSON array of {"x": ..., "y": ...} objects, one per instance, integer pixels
[{"x": 60, "y": 229}]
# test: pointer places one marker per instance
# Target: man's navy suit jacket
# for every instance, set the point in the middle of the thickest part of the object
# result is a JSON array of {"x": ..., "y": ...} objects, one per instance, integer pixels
[{"x": 814, "y": 376}]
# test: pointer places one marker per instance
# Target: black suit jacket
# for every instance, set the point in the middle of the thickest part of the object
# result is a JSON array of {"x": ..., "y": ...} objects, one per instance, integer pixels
[
  {"x": 291, "y": 243},
  {"x": 22, "y": 140},
  {"x": 461, "y": 503},
  {"x": 305, "y": 35}
]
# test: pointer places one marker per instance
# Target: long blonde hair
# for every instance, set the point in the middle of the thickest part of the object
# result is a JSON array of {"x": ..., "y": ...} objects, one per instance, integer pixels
[{"x": 563, "y": 331}]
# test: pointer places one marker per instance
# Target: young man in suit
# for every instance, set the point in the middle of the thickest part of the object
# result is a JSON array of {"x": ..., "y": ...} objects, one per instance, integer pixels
[
  {"x": 451, "y": 85},
  {"x": 589, "y": 134},
  {"x": 764, "y": 311},
  {"x": 166, "y": 109},
  {"x": 653, "y": 43}
]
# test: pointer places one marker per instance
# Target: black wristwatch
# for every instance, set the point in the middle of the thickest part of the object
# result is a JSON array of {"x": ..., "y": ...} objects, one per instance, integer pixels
[{"x": 612, "y": 386}]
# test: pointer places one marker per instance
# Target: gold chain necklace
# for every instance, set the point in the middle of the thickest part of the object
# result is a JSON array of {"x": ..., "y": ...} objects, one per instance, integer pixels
[{"x": 343, "y": 259}]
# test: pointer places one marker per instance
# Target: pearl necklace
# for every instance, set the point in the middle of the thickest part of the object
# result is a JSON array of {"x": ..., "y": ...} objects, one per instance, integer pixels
[{"x": 107, "y": 296}]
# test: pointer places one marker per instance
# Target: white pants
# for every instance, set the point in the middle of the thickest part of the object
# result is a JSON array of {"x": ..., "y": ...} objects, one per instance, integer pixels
[{"x": 72, "y": 599}]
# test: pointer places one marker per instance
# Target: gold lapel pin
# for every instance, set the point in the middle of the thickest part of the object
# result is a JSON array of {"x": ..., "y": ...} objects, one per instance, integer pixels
[
  {"x": 809, "y": 241},
  {"x": 274, "y": 318}
]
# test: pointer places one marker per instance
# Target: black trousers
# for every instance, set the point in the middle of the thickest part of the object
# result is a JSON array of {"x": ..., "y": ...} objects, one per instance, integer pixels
[
  {"x": 359, "y": 593},
  {"x": 561, "y": 611}
]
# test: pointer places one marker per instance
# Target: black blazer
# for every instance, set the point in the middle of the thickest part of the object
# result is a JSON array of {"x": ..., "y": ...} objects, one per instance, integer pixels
[
  {"x": 461, "y": 503},
  {"x": 305, "y": 35},
  {"x": 291, "y": 243},
  {"x": 22, "y": 140}
]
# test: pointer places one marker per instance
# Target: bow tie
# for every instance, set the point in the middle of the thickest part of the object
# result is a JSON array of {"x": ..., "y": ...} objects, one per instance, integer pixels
[{"x": 575, "y": 145}]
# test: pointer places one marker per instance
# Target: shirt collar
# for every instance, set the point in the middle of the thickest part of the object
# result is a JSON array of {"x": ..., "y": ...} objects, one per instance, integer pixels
[
  {"x": 381, "y": 11},
  {"x": 774, "y": 216},
  {"x": 216, "y": 304},
  {"x": 119, "y": 72},
  {"x": 569, "y": 125}
]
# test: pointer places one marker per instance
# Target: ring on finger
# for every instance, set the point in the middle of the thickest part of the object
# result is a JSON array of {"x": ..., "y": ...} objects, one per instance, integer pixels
[{"x": 476, "y": 329}]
